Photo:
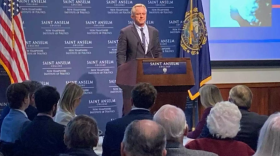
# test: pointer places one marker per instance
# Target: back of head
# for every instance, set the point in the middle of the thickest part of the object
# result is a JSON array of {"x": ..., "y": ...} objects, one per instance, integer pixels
[
  {"x": 144, "y": 95},
  {"x": 144, "y": 138},
  {"x": 269, "y": 142},
  {"x": 210, "y": 95},
  {"x": 33, "y": 86},
  {"x": 224, "y": 120},
  {"x": 71, "y": 93},
  {"x": 45, "y": 98},
  {"x": 173, "y": 120},
  {"x": 241, "y": 96},
  {"x": 16, "y": 94},
  {"x": 81, "y": 132}
]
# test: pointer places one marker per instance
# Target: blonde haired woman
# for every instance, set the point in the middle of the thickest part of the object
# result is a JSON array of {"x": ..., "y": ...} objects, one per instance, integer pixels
[
  {"x": 69, "y": 101},
  {"x": 209, "y": 96}
]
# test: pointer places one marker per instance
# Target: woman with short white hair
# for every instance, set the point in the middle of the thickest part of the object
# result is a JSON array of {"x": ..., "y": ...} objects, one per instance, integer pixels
[
  {"x": 269, "y": 138},
  {"x": 223, "y": 123}
]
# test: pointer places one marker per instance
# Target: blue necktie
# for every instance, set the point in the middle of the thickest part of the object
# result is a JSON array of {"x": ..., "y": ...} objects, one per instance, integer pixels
[{"x": 143, "y": 39}]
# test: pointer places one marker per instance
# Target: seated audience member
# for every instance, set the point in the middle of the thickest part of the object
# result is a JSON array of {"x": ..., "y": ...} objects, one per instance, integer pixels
[
  {"x": 251, "y": 122},
  {"x": 18, "y": 98},
  {"x": 209, "y": 96},
  {"x": 173, "y": 120},
  {"x": 223, "y": 123},
  {"x": 43, "y": 136},
  {"x": 143, "y": 98},
  {"x": 269, "y": 138},
  {"x": 31, "y": 110},
  {"x": 144, "y": 138},
  {"x": 81, "y": 135},
  {"x": 69, "y": 101}
]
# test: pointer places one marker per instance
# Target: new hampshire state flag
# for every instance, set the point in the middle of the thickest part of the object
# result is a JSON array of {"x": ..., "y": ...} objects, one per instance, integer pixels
[{"x": 194, "y": 44}]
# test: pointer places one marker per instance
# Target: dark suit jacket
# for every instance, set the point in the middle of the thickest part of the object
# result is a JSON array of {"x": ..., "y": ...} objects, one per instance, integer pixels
[
  {"x": 250, "y": 123},
  {"x": 115, "y": 131},
  {"x": 177, "y": 149},
  {"x": 79, "y": 152},
  {"x": 30, "y": 111},
  {"x": 43, "y": 136},
  {"x": 130, "y": 47}
]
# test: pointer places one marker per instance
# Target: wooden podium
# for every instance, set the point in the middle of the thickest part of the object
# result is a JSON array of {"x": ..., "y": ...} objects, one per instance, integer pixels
[{"x": 171, "y": 88}]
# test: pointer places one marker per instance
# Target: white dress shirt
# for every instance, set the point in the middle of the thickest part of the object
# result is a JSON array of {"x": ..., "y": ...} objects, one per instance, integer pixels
[{"x": 146, "y": 32}]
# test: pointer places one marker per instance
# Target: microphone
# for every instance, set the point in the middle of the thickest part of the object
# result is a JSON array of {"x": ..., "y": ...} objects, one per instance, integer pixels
[{"x": 147, "y": 44}]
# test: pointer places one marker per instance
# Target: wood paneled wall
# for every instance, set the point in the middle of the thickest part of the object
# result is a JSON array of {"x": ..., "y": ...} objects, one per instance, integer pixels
[{"x": 266, "y": 96}]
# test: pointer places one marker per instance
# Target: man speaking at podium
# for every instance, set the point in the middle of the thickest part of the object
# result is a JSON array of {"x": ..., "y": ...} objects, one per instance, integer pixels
[{"x": 137, "y": 40}]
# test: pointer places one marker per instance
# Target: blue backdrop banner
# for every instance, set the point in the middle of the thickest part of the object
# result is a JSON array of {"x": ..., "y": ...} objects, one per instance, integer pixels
[{"x": 76, "y": 41}]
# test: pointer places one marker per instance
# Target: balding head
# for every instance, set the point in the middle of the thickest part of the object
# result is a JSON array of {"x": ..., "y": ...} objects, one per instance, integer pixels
[
  {"x": 241, "y": 96},
  {"x": 173, "y": 120},
  {"x": 144, "y": 138}
]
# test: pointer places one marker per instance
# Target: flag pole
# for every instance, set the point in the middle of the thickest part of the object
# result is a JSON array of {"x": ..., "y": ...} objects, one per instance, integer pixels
[
  {"x": 191, "y": 22},
  {"x": 13, "y": 28}
]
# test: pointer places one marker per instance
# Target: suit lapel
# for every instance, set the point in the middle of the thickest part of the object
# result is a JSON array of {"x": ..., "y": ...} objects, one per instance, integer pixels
[
  {"x": 150, "y": 30},
  {"x": 137, "y": 35}
]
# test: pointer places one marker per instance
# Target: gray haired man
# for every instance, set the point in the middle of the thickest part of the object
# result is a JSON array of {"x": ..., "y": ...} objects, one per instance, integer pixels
[
  {"x": 173, "y": 120},
  {"x": 144, "y": 138}
]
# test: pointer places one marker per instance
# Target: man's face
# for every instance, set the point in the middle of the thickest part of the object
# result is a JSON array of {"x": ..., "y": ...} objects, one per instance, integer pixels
[{"x": 140, "y": 16}]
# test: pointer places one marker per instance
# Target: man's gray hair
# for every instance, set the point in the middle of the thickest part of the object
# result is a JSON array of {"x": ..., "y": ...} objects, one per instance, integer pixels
[
  {"x": 173, "y": 120},
  {"x": 269, "y": 142},
  {"x": 81, "y": 132},
  {"x": 140, "y": 140},
  {"x": 224, "y": 120},
  {"x": 241, "y": 96},
  {"x": 135, "y": 6}
]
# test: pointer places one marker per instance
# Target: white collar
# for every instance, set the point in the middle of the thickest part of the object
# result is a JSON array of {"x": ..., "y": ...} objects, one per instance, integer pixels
[
  {"x": 43, "y": 114},
  {"x": 136, "y": 108}
]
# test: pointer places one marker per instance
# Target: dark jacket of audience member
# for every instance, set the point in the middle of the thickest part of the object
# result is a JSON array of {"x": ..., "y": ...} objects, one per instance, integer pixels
[
  {"x": 81, "y": 135},
  {"x": 251, "y": 122},
  {"x": 17, "y": 96},
  {"x": 143, "y": 98},
  {"x": 209, "y": 96},
  {"x": 43, "y": 135}
]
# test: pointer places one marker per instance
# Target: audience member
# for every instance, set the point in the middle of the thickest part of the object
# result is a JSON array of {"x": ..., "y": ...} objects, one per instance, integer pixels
[
  {"x": 81, "y": 135},
  {"x": 144, "y": 138},
  {"x": 223, "y": 123},
  {"x": 43, "y": 136},
  {"x": 69, "y": 101},
  {"x": 30, "y": 111},
  {"x": 143, "y": 98},
  {"x": 251, "y": 122},
  {"x": 18, "y": 98},
  {"x": 269, "y": 138},
  {"x": 173, "y": 120},
  {"x": 209, "y": 96}
]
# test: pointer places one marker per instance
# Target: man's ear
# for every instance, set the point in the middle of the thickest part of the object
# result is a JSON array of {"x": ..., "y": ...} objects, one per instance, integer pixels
[
  {"x": 122, "y": 149},
  {"x": 164, "y": 152}
]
